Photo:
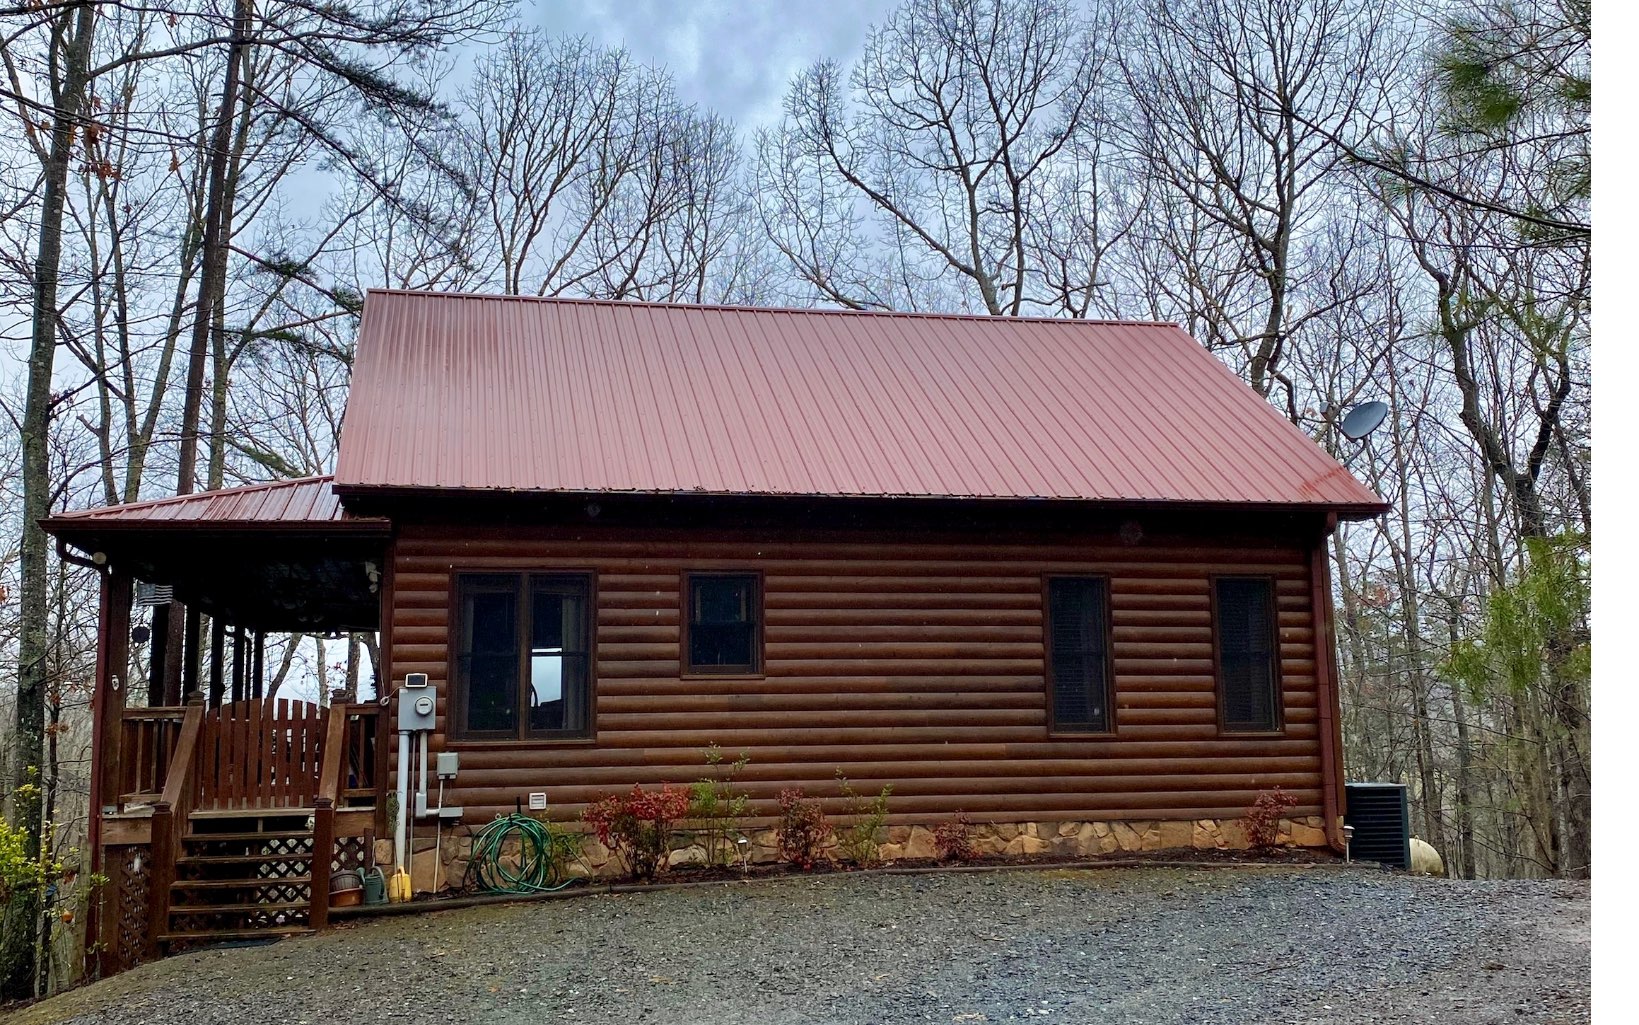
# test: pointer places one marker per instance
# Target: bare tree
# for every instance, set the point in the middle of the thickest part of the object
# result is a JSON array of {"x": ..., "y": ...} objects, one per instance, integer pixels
[
  {"x": 1217, "y": 84},
  {"x": 963, "y": 125}
]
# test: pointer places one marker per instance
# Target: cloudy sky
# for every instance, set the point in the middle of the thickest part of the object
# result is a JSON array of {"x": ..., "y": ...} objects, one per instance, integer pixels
[{"x": 734, "y": 56}]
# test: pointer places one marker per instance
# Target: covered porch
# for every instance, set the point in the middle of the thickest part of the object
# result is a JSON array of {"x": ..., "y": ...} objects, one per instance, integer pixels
[{"x": 218, "y": 809}]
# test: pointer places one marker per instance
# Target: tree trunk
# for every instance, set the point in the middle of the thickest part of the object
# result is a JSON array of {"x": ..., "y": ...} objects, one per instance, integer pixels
[
  {"x": 1465, "y": 806},
  {"x": 214, "y": 260},
  {"x": 76, "y": 25}
]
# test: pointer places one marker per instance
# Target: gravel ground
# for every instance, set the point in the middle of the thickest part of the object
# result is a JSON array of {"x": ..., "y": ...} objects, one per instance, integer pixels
[{"x": 1148, "y": 945}]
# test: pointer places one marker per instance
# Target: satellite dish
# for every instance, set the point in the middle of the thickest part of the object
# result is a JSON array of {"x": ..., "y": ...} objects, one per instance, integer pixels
[{"x": 1363, "y": 419}]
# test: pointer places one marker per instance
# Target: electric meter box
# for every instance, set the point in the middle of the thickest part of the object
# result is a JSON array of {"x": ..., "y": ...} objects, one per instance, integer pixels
[{"x": 417, "y": 704}]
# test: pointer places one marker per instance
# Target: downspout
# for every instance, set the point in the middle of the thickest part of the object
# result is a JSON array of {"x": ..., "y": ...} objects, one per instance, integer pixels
[{"x": 1326, "y": 697}]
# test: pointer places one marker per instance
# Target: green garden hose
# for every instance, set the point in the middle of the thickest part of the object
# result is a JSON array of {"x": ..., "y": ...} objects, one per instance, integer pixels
[{"x": 521, "y": 854}]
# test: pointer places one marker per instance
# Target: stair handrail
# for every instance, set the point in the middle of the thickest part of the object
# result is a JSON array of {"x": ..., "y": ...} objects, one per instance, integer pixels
[
  {"x": 335, "y": 740},
  {"x": 165, "y": 836},
  {"x": 324, "y": 816}
]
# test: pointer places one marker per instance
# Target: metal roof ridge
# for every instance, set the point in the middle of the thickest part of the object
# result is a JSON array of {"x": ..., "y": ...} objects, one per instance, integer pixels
[{"x": 1001, "y": 318}]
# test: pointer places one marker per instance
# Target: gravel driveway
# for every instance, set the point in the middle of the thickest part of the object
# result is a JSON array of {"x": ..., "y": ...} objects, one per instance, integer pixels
[{"x": 1151, "y": 945}]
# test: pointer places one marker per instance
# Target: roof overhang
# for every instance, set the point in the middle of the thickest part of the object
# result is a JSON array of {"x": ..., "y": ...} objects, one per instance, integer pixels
[
  {"x": 279, "y": 557},
  {"x": 705, "y": 509}
]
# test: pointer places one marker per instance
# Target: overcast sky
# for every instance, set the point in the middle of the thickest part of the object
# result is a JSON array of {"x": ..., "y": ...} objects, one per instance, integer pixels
[{"x": 734, "y": 57}]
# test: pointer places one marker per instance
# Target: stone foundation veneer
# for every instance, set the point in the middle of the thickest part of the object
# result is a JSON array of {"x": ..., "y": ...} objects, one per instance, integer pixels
[{"x": 1062, "y": 839}]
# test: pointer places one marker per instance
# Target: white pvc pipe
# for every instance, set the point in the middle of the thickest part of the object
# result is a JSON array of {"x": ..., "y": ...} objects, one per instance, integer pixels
[
  {"x": 401, "y": 838},
  {"x": 421, "y": 788}
]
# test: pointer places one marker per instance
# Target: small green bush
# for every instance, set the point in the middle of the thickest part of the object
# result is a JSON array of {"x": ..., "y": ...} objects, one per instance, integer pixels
[
  {"x": 858, "y": 843},
  {"x": 716, "y": 810}
]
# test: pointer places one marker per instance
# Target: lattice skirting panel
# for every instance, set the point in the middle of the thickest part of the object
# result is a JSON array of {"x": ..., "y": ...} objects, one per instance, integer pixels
[
  {"x": 127, "y": 869},
  {"x": 349, "y": 854}
]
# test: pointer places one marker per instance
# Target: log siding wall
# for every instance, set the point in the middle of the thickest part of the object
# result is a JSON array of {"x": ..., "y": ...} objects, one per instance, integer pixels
[{"x": 919, "y": 664}]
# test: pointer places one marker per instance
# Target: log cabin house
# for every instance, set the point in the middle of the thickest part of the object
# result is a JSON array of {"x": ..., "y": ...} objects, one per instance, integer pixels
[{"x": 1069, "y": 578}]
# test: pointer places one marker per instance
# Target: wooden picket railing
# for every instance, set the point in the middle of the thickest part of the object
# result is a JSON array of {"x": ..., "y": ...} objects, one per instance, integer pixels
[
  {"x": 264, "y": 753},
  {"x": 147, "y": 741}
]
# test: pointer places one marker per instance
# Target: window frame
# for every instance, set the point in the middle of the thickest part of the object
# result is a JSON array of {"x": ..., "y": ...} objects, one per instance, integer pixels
[
  {"x": 455, "y": 685},
  {"x": 1054, "y": 727},
  {"x": 1277, "y": 705},
  {"x": 686, "y": 669}
]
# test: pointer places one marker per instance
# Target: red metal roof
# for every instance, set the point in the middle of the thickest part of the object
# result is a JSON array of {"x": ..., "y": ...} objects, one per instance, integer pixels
[
  {"x": 524, "y": 394},
  {"x": 303, "y": 502}
]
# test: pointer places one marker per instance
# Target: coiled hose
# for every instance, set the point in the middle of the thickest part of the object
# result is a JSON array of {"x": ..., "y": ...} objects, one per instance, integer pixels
[{"x": 542, "y": 856}]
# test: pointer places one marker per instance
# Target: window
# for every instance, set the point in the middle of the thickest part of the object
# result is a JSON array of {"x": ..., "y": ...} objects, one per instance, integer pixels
[
  {"x": 522, "y": 669},
  {"x": 723, "y": 635},
  {"x": 1248, "y": 675},
  {"x": 1078, "y": 617}
]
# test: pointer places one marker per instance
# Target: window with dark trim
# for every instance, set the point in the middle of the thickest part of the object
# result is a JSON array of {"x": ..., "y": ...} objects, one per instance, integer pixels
[
  {"x": 1248, "y": 674},
  {"x": 1078, "y": 630},
  {"x": 522, "y": 665},
  {"x": 722, "y": 617}
]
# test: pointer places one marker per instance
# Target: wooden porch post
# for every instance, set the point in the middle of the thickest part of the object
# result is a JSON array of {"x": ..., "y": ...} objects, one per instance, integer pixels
[
  {"x": 256, "y": 665},
  {"x": 107, "y": 736},
  {"x": 219, "y": 636},
  {"x": 113, "y": 665},
  {"x": 159, "y": 634},
  {"x": 238, "y": 663},
  {"x": 176, "y": 646},
  {"x": 190, "y": 654}
]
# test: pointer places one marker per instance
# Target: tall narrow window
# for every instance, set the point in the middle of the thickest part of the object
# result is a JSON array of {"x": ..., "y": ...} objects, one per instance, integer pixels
[
  {"x": 1248, "y": 674},
  {"x": 723, "y": 625},
  {"x": 1078, "y": 617},
  {"x": 522, "y": 657}
]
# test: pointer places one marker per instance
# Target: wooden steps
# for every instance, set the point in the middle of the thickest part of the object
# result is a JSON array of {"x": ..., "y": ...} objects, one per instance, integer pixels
[
  {"x": 221, "y": 859},
  {"x": 268, "y": 908},
  {"x": 216, "y": 814},
  {"x": 248, "y": 836},
  {"x": 177, "y": 940},
  {"x": 239, "y": 884},
  {"x": 244, "y": 874}
]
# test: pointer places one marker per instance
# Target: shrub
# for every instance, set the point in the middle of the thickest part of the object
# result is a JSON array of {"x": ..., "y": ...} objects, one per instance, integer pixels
[
  {"x": 1263, "y": 818},
  {"x": 858, "y": 842},
  {"x": 803, "y": 829},
  {"x": 638, "y": 826},
  {"x": 954, "y": 839},
  {"x": 715, "y": 810}
]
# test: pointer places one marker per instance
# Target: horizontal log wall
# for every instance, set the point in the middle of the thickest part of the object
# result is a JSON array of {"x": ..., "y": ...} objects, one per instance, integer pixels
[{"x": 913, "y": 664}]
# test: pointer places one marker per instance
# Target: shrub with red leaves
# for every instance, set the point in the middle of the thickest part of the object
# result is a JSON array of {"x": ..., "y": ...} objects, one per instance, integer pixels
[
  {"x": 638, "y": 826},
  {"x": 1263, "y": 818},
  {"x": 803, "y": 829},
  {"x": 954, "y": 839}
]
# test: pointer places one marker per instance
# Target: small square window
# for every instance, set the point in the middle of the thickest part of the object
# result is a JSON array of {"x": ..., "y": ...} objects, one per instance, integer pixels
[{"x": 723, "y": 625}]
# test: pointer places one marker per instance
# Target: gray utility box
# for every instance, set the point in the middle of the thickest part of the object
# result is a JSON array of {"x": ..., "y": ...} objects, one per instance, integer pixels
[{"x": 417, "y": 704}]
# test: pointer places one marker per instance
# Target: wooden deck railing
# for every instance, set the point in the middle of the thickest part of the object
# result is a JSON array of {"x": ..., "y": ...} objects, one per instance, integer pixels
[
  {"x": 147, "y": 741},
  {"x": 254, "y": 755},
  {"x": 265, "y": 754}
]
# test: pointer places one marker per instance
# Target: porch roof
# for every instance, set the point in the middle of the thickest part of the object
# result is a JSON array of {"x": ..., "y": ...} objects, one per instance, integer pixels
[
  {"x": 302, "y": 503},
  {"x": 278, "y": 556}
]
